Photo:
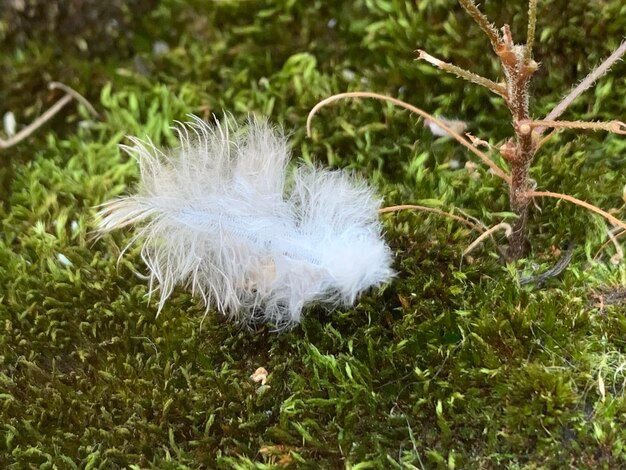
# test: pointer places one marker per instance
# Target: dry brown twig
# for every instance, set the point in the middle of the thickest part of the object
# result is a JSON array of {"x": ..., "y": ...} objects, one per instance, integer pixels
[
  {"x": 474, "y": 225},
  {"x": 501, "y": 226},
  {"x": 619, "y": 252},
  {"x": 434, "y": 210},
  {"x": 414, "y": 109},
  {"x": 70, "y": 94},
  {"x": 520, "y": 150}
]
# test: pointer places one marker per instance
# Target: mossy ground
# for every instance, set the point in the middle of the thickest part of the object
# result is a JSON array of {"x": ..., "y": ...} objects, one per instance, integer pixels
[{"x": 453, "y": 365}]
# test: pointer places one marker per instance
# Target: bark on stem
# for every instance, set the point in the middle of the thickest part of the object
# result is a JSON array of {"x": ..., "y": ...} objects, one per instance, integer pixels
[
  {"x": 518, "y": 195},
  {"x": 519, "y": 69}
]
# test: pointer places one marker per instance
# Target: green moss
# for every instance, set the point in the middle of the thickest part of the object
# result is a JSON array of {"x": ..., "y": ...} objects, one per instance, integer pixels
[{"x": 453, "y": 365}]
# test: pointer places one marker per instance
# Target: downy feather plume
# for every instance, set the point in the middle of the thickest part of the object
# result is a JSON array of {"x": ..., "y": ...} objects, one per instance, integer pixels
[{"x": 218, "y": 216}]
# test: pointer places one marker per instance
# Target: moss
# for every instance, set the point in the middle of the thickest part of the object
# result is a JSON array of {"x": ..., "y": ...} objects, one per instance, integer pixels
[{"x": 453, "y": 365}]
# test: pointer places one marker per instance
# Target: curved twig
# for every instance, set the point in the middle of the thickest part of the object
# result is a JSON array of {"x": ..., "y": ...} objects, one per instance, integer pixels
[
  {"x": 49, "y": 113},
  {"x": 488, "y": 233},
  {"x": 366, "y": 94},
  {"x": 77, "y": 96},
  {"x": 612, "y": 239},
  {"x": 477, "y": 225},
  {"x": 36, "y": 124},
  {"x": 386, "y": 210},
  {"x": 614, "y": 220}
]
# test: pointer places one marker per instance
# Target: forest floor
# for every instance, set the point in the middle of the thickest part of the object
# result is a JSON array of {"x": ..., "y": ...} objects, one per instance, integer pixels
[{"x": 454, "y": 364}]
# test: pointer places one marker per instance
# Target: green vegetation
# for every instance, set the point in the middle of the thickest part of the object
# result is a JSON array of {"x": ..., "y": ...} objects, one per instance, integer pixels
[{"x": 453, "y": 365}]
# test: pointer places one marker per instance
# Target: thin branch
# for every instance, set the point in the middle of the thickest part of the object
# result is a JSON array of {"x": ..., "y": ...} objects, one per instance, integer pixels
[
  {"x": 77, "y": 96},
  {"x": 471, "y": 217},
  {"x": 488, "y": 233},
  {"x": 464, "y": 74},
  {"x": 386, "y": 210},
  {"x": 617, "y": 127},
  {"x": 36, "y": 124},
  {"x": 49, "y": 114},
  {"x": 589, "y": 80},
  {"x": 619, "y": 252},
  {"x": 530, "y": 36},
  {"x": 614, "y": 220},
  {"x": 477, "y": 225},
  {"x": 479, "y": 17},
  {"x": 614, "y": 234},
  {"x": 366, "y": 94},
  {"x": 545, "y": 139}
]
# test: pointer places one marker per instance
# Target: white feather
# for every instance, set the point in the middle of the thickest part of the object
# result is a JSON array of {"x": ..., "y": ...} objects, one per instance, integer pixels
[{"x": 217, "y": 216}]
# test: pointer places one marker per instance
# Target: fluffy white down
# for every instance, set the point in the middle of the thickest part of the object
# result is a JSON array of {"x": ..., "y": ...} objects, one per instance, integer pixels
[{"x": 218, "y": 216}]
